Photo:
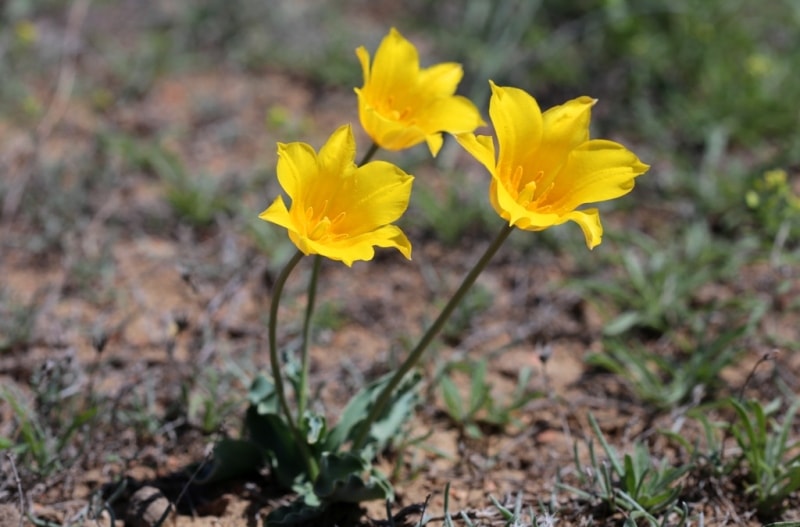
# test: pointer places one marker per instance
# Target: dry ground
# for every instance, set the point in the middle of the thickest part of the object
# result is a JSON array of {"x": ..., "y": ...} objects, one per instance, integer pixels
[{"x": 169, "y": 301}]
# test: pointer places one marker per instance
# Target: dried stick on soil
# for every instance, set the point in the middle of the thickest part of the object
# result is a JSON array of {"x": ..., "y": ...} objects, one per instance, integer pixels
[
  {"x": 767, "y": 356},
  {"x": 21, "y": 493}
]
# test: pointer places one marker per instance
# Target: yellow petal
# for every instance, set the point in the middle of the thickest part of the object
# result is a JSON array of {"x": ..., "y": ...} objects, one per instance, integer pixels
[
  {"x": 441, "y": 79},
  {"x": 517, "y": 122},
  {"x": 481, "y": 147},
  {"x": 278, "y": 214},
  {"x": 455, "y": 115},
  {"x": 589, "y": 222},
  {"x": 565, "y": 127},
  {"x": 338, "y": 154},
  {"x": 296, "y": 161},
  {"x": 379, "y": 195},
  {"x": 363, "y": 58},
  {"x": 396, "y": 62},
  {"x": 349, "y": 250},
  {"x": 434, "y": 142},
  {"x": 507, "y": 206},
  {"x": 597, "y": 170}
]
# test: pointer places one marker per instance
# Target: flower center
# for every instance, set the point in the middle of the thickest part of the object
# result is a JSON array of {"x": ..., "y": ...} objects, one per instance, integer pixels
[
  {"x": 320, "y": 227},
  {"x": 398, "y": 113},
  {"x": 531, "y": 194}
]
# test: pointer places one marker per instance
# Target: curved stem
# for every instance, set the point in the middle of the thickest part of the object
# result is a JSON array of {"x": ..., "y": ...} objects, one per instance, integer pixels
[
  {"x": 430, "y": 334},
  {"x": 274, "y": 360},
  {"x": 302, "y": 396},
  {"x": 275, "y": 364}
]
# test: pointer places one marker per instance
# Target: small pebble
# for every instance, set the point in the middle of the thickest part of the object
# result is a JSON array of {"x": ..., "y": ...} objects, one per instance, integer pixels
[{"x": 146, "y": 508}]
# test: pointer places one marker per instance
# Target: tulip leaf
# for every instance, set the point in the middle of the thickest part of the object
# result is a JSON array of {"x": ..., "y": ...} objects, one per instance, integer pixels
[
  {"x": 386, "y": 425},
  {"x": 340, "y": 480},
  {"x": 271, "y": 433},
  {"x": 262, "y": 394},
  {"x": 314, "y": 427},
  {"x": 232, "y": 458}
]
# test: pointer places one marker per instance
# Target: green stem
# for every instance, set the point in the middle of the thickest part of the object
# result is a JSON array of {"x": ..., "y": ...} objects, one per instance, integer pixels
[
  {"x": 368, "y": 155},
  {"x": 275, "y": 364},
  {"x": 427, "y": 338},
  {"x": 302, "y": 396},
  {"x": 274, "y": 360}
]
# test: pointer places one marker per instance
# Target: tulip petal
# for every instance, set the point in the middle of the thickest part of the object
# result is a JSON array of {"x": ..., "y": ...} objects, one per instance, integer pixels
[
  {"x": 518, "y": 215},
  {"x": 434, "y": 142},
  {"x": 295, "y": 162},
  {"x": 589, "y": 222},
  {"x": 517, "y": 123},
  {"x": 396, "y": 63},
  {"x": 349, "y": 250},
  {"x": 481, "y": 147},
  {"x": 379, "y": 196},
  {"x": 338, "y": 154},
  {"x": 455, "y": 115},
  {"x": 363, "y": 58},
  {"x": 441, "y": 79},
  {"x": 567, "y": 126},
  {"x": 597, "y": 170},
  {"x": 278, "y": 214}
]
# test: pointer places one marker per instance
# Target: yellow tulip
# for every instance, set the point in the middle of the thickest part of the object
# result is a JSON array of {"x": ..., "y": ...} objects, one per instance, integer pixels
[
  {"x": 546, "y": 165},
  {"x": 402, "y": 105},
  {"x": 338, "y": 210}
]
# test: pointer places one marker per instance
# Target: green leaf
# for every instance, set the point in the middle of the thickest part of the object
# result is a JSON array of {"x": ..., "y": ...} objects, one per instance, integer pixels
[
  {"x": 314, "y": 427},
  {"x": 452, "y": 399},
  {"x": 622, "y": 323},
  {"x": 340, "y": 480},
  {"x": 479, "y": 390},
  {"x": 297, "y": 512},
  {"x": 232, "y": 458},
  {"x": 388, "y": 423},
  {"x": 262, "y": 394},
  {"x": 275, "y": 439}
]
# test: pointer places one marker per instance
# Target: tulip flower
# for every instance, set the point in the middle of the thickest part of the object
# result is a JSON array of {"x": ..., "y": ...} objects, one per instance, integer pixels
[
  {"x": 338, "y": 210},
  {"x": 402, "y": 105},
  {"x": 546, "y": 167}
]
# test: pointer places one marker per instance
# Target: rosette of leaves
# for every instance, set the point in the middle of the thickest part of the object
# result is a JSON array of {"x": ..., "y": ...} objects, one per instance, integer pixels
[{"x": 345, "y": 476}]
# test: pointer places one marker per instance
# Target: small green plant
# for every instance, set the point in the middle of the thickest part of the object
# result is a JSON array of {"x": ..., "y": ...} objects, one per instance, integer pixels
[
  {"x": 199, "y": 198},
  {"x": 664, "y": 381},
  {"x": 769, "y": 456},
  {"x": 516, "y": 517},
  {"x": 209, "y": 399},
  {"x": 481, "y": 410},
  {"x": 632, "y": 484},
  {"x": 47, "y": 426},
  {"x": 660, "y": 280},
  {"x": 706, "y": 449},
  {"x": 776, "y": 207}
]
